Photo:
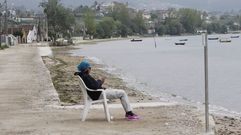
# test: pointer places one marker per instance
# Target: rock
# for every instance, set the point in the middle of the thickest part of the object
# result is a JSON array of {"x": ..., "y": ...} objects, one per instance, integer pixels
[{"x": 231, "y": 118}]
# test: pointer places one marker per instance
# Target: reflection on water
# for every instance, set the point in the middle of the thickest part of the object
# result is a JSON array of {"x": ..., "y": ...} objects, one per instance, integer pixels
[{"x": 177, "y": 70}]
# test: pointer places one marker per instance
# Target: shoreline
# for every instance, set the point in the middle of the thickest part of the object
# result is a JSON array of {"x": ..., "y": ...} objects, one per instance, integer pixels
[
  {"x": 79, "y": 40},
  {"x": 224, "y": 124},
  {"x": 62, "y": 67}
]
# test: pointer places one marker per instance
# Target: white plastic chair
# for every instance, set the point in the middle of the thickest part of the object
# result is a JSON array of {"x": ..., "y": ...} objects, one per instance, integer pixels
[{"x": 88, "y": 101}]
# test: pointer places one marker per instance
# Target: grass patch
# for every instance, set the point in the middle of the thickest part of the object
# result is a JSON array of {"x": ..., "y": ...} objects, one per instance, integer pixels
[{"x": 63, "y": 79}]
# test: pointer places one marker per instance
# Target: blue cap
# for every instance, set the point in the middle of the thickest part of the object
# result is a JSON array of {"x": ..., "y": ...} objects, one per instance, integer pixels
[{"x": 83, "y": 66}]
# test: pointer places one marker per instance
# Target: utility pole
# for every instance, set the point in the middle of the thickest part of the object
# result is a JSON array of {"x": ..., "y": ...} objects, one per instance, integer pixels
[
  {"x": 0, "y": 18},
  {"x": 5, "y": 18},
  {"x": 206, "y": 82},
  {"x": 47, "y": 25},
  {"x": 154, "y": 39},
  {"x": 47, "y": 28},
  {"x": 0, "y": 24}
]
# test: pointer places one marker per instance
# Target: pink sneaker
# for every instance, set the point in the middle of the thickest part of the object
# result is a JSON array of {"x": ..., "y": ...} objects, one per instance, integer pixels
[{"x": 132, "y": 117}]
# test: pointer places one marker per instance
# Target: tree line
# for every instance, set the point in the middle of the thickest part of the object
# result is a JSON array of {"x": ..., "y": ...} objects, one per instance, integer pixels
[{"x": 120, "y": 21}]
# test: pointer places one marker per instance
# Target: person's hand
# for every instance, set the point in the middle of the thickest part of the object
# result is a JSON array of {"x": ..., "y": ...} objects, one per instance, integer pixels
[{"x": 103, "y": 79}]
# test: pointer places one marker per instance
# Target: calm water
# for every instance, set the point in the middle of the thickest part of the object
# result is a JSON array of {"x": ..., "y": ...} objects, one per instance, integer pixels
[{"x": 175, "y": 70}]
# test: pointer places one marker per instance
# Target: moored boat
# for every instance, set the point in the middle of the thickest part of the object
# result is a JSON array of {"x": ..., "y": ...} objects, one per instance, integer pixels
[
  {"x": 136, "y": 40},
  {"x": 183, "y": 40},
  {"x": 234, "y": 36},
  {"x": 225, "y": 40},
  {"x": 180, "y": 43},
  {"x": 213, "y": 38}
]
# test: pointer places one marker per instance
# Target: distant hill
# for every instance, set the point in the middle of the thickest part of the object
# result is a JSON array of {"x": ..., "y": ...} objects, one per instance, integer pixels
[{"x": 218, "y": 5}]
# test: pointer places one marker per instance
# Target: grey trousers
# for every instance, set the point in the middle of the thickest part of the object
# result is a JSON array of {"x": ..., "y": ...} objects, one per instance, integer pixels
[{"x": 118, "y": 94}]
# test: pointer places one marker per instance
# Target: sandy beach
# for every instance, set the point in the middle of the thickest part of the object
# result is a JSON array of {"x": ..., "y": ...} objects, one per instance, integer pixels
[{"x": 26, "y": 102}]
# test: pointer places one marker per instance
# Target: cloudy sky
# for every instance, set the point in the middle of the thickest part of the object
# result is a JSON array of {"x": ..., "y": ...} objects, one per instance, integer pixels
[{"x": 211, "y": 5}]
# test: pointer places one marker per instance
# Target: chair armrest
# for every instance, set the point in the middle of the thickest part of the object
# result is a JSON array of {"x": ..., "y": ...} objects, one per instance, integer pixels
[
  {"x": 96, "y": 90},
  {"x": 100, "y": 90}
]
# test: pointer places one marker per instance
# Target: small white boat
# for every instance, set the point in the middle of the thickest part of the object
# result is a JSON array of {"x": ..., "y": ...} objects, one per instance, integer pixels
[{"x": 225, "y": 40}]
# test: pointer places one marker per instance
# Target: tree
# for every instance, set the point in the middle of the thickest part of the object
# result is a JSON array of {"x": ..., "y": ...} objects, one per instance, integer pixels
[
  {"x": 105, "y": 28},
  {"x": 80, "y": 10},
  {"x": 154, "y": 16},
  {"x": 223, "y": 29},
  {"x": 216, "y": 28},
  {"x": 18, "y": 34},
  {"x": 89, "y": 22},
  {"x": 117, "y": 30},
  {"x": 232, "y": 25},
  {"x": 190, "y": 19},
  {"x": 161, "y": 29},
  {"x": 138, "y": 24},
  {"x": 120, "y": 12},
  {"x": 100, "y": 32},
  {"x": 124, "y": 30},
  {"x": 59, "y": 19},
  {"x": 174, "y": 27}
]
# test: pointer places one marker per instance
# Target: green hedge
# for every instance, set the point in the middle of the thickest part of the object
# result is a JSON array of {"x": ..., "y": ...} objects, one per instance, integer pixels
[{"x": 3, "y": 46}]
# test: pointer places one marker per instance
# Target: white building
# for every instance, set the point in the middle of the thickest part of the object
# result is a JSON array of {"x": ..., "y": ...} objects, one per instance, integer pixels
[{"x": 146, "y": 16}]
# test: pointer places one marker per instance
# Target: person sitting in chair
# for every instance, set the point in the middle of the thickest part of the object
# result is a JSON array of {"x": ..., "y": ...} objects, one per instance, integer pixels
[{"x": 84, "y": 69}]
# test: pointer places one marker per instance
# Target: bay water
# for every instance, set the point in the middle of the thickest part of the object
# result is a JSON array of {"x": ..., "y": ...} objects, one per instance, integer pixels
[{"x": 175, "y": 72}]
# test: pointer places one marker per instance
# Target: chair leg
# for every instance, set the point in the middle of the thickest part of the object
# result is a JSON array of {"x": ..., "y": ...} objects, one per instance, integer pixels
[
  {"x": 85, "y": 111},
  {"x": 107, "y": 113}
]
